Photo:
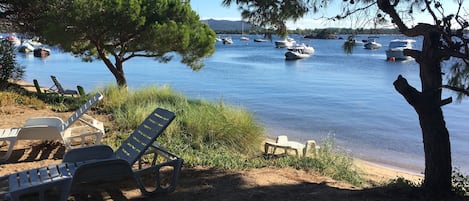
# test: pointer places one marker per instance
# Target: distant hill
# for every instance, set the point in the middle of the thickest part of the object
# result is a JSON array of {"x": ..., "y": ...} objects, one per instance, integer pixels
[{"x": 227, "y": 25}]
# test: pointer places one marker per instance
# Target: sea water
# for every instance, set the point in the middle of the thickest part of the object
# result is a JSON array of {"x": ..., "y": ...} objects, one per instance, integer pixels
[{"x": 347, "y": 96}]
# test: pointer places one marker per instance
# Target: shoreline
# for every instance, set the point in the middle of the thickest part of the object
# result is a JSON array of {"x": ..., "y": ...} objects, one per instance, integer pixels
[
  {"x": 371, "y": 170},
  {"x": 379, "y": 172}
]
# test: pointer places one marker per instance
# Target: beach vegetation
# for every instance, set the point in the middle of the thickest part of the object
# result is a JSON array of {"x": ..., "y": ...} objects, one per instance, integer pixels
[
  {"x": 460, "y": 182},
  {"x": 204, "y": 133},
  {"x": 211, "y": 133},
  {"x": 115, "y": 31},
  {"x": 9, "y": 68},
  {"x": 12, "y": 98},
  {"x": 444, "y": 40}
]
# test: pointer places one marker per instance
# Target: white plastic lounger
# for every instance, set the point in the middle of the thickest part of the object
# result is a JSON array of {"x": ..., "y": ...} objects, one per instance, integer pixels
[
  {"x": 300, "y": 149},
  {"x": 53, "y": 128},
  {"x": 86, "y": 167}
]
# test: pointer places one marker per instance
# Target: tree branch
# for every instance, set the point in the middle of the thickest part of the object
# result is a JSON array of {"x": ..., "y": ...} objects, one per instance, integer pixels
[
  {"x": 457, "y": 89},
  {"x": 411, "y": 94},
  {"x": 386, "y": 7}
]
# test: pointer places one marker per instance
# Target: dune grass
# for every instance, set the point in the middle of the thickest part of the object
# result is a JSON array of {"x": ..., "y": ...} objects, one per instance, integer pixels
[
  {"x": 204, "y": 133},
  {"x": 212, "y": 133}
]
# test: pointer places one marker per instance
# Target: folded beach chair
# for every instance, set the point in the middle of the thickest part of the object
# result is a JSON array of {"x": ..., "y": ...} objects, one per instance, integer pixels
[
  {"x": 88, "y": 166},
  {"x": 58, "y": 87},
  {"x": 91, "y": 130},
  {"x": 300, "y": 149}
]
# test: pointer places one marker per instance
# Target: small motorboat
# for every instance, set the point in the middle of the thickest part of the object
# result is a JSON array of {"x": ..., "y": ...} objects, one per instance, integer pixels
[
  {"x": 41, "y": 52},
  {"x": 286, "y": 43},
  {"x": 227, "y": 41},
  {"x": 25, "y": 47},
  {"x": 299, "y": 52},
  {"x": 353, "y": 41},
  {"x": 259, "y": 40},
  {"x": 371, "y": 44},
  {"x": 396, "y": 49}
]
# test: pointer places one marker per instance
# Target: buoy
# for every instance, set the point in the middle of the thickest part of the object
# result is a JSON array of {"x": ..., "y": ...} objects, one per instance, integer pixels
[{"x": 392, "y": 59}]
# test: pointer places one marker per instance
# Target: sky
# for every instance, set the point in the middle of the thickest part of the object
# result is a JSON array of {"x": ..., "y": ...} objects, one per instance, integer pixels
[{"x": 212, "y": 9}]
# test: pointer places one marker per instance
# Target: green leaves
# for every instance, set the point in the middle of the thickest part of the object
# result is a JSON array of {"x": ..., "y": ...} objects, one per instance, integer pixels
[{"x": 124, "y": 29}]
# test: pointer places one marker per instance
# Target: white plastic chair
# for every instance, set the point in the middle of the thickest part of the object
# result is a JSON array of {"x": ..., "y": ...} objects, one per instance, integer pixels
[{"x": 54, "y": 128}]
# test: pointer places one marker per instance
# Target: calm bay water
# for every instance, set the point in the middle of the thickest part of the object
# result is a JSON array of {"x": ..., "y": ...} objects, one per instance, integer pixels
[{"x": 348, "y": 96}]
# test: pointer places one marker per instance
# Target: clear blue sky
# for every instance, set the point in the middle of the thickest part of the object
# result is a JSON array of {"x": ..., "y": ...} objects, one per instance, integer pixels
[{"x": 212, "y": 9}]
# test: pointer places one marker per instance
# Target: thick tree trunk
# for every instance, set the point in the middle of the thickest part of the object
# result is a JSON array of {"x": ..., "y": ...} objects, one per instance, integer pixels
[
  {"x": 427, "y": 104},
  {"x": 437, "y": 183}
]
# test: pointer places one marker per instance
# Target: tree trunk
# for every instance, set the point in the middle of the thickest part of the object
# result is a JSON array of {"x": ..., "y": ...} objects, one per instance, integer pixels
[
  {"x": 437, "y": 183},
  {"x": 117, "y": 70},
  {"x": 427, "y": 104}
]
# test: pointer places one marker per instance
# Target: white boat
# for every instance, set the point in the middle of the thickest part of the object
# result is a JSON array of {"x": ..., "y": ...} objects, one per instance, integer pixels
[
  {"x": 299, "y": 52},
  {"x": 305, "y": 48},
  {"x": 352, "y": 40},
  {"x": 396, "y": 49},
  {"x": 244, "y": 38},
  {"x": 371, "y": 44},
  {"x": 227, "y": 40},
  {"x": 286, "y": 43},
  {"x": 259, "y": 40},
  {"x": 26, "y": 47}
]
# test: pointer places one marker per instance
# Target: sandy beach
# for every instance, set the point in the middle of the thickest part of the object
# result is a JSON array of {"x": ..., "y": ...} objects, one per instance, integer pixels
[{"x": 200, "y": 183}]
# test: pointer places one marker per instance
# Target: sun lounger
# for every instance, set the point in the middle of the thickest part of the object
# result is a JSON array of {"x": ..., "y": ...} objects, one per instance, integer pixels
[
  {"x": 87, "y": 166},
  {"x": 42, "y": 91},
  {"x": 54, "y": 128},
  {"x": 58, "y": 87},
  {"x": 300, "y": 149}
]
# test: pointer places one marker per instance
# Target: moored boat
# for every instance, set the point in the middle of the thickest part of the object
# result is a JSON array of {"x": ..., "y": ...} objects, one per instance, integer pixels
[
  {"x": 259, "y": 40},
  {"x": 227, "y": 40},
  {"x": 286, "y": 43},
  {"x": 371, "y": 44},
  {"x": 41, "y": 52},
  {"x": 299, "y": 52},
  {"x": 25, "y": 47},
  {"x": 396, "y": 49}
]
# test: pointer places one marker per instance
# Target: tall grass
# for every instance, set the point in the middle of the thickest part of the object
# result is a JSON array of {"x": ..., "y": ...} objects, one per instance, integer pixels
[
  {"x": 337, "y": 163},
  {"x": 212, "y": 133},
  {"x": 199, "y": 124},
  {"x": 13, "y": 98},
  {"x": 204, "y": 133}
]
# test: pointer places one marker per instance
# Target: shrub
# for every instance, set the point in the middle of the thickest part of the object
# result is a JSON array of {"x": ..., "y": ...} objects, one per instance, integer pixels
[
  {"x": 9, "y": 69},
  {"x": 460, "y": 183}
]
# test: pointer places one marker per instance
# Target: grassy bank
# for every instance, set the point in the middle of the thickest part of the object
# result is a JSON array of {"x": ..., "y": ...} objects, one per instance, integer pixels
[{"x": 204, "y": 133}]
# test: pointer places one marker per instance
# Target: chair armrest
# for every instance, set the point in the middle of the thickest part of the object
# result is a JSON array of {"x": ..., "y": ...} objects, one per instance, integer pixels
[
  {"x": 96, "y": 152},
  {"x": 163, "y": 184},
  {"x": 92, "y": 122},
  {"x": 44, "y": 121}
]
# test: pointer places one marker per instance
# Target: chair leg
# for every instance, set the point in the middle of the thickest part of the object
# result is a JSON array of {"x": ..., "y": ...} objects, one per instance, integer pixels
[{"x": 11, "y": 143}]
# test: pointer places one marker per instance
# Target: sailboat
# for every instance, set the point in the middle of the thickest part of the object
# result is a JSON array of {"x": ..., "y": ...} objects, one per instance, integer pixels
[{"x": 245, "y": 38}]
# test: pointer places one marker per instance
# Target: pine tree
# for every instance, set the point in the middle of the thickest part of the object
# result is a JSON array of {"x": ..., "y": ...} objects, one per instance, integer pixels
[{"x": 9, "y": 68}]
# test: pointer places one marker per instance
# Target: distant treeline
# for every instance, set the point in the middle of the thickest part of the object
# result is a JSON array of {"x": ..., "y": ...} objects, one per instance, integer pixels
[{"x": 314, "y": 31}]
